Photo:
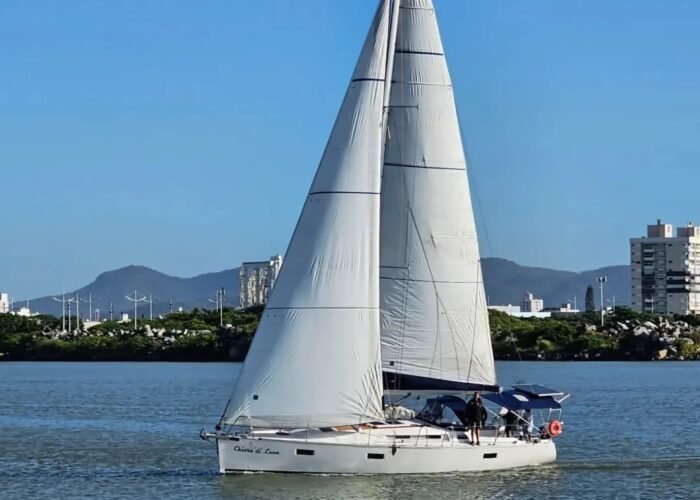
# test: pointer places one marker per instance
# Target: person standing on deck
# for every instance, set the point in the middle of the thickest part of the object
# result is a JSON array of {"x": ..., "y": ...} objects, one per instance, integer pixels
[
  {"x": 511, "y": 423},
  {"x": 476, "y": 416},
  {"x": 527, "y": 425}
]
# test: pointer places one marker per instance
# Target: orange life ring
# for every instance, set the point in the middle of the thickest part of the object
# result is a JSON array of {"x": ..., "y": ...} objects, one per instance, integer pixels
[{"x": 555, "y": 428}]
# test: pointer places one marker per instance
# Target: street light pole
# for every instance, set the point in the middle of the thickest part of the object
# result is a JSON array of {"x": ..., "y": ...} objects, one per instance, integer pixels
[
  {"x": 89, "y": 302},
  {"x": 217, "y": 301},
  {"x": 601, "y": 280},
  {"x": 62, "y": 300},
  {"x": 220, "y": 293},
  {"x": 69, "y": 302},
  {"x": 136, "y": 301},
  {"x": 149, "y": 301},
  {"x": 221, "y": 314}
]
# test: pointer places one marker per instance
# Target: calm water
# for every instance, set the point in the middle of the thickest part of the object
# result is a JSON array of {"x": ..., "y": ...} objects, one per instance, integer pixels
[{"x": 126, "y": 430}]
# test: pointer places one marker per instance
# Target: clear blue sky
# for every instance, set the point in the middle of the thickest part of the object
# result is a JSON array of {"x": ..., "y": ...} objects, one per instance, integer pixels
[{"x": 184, "y": 135}]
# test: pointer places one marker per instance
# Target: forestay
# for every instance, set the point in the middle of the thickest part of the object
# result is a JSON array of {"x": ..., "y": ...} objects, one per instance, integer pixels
[
  {"x": 434, "y": 321},
  {"x": 315, "y": 358}
]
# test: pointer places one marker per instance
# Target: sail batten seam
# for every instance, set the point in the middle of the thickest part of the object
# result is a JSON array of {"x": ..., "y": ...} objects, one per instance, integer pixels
[
  {"x": 430, "y": 167},
  {"x": 344, "y": 192},
  {"x": 414, "y": 280},
  {"x": 419, "y": 52}
]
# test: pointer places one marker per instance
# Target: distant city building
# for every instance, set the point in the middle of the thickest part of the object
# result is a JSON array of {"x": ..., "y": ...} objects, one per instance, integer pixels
[
  {"x": 24, "y": 311},
  {"x": 257, "y": 280},
  {"x": 530, "y": 304},
  {"x": 515, "y": 311},
  {"x": 4, "y": 303},
  {"x": 666, "y": 270},
  {"x": 509, "y": 309},
  {"x": 532, "y": 314},
  {"x": 563, "y": 309}
]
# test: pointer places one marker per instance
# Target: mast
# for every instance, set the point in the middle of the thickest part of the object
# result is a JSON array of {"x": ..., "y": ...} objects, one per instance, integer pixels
[
  {"x": 435, "y": 331},
  {"x": 395, "y": 8},
  {"x": 315, "y": 358}
]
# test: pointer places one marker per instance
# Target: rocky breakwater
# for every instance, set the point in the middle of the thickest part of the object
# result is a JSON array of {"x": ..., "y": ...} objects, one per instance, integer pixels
[
  {"x": 659, "y": 338},
  {"x": 119, "y": 342}
]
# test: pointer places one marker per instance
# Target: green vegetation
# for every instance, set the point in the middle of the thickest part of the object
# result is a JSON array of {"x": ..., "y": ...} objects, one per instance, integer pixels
[
  {"x": 192, "y": 336},
  {"x": 627, "y": 335},
  {"x": 563, "y": 337},
  {"x": 197, "y": 336}
]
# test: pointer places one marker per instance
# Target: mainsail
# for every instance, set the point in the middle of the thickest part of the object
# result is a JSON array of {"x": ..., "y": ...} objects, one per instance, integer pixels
[
  {"x": 315, "y": 358},
  {"x": 434, "y": 321}
]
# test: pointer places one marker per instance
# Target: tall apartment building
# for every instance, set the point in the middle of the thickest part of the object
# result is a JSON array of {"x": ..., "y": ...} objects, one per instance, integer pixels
[
  {"x": 4, "y": 303},
  {"x": 666, "y": 270},
  {"x": 531, "y": 304},
  {"x": 257, "y": 279}
]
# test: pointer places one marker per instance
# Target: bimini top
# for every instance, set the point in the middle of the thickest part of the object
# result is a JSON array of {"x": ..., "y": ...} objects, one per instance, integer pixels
[
  {"x": 537, "y": 390},
  {"x": 516, "y": 401}
]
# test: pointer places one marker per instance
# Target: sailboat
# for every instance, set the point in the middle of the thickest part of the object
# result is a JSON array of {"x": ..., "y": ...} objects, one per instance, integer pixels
[{"x": 380, "y": 300}]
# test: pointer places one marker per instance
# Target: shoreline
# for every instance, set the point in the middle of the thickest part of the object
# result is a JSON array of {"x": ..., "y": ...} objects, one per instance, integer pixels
[{"x": 210, "y": 336}]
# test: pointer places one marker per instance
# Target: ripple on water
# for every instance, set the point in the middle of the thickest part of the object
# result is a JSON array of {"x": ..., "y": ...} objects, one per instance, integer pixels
[{"x": 125, "y": 430}]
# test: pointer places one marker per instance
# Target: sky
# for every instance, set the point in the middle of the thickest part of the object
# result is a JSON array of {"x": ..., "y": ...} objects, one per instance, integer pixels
[{"x": 184, "y": 135}]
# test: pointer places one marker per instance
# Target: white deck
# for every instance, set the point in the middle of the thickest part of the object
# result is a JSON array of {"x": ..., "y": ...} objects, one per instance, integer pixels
[{"x": 407, "y": 447}]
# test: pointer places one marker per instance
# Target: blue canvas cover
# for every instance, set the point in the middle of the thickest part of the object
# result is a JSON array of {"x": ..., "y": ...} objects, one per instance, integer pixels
[
  {"x": 537, "y": 390},
  {"x": 516, "y": 401}
]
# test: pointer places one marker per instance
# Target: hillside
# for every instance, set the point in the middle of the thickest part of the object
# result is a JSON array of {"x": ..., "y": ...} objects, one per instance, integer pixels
[
  {"x": 112, "y": 286},
  {"x": 505, "y": 283}
]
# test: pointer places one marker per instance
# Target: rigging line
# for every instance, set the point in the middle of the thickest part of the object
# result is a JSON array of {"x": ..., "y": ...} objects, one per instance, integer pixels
[
  {"x": 386, "y": 91},
  {"x": 405, "y": 201},
  {"x": 472, "y": 178},
  {"x": 517, "y": 351},
  {"x": 392, "y": 24},
  {"x": 437, "y": 297},
  {"x": 476, "y": 313},
  {"x": 475, "y": 191},
  {"x": 404, "y": 298}
]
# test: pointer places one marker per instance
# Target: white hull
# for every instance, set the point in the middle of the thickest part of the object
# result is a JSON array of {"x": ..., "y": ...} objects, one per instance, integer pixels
[{"x": 406, "y": 449}]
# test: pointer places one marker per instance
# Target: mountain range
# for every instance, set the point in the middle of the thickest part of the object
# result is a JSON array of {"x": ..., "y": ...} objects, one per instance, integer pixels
[
  {"x": 505, "y": 283},
  {"x": 113, "y": 286}
]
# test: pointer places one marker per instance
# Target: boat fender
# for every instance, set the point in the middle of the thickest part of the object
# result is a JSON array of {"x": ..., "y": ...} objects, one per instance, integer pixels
[
  {"x": 555, "y": 428},
  {"x": 393, "y": 449}
]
